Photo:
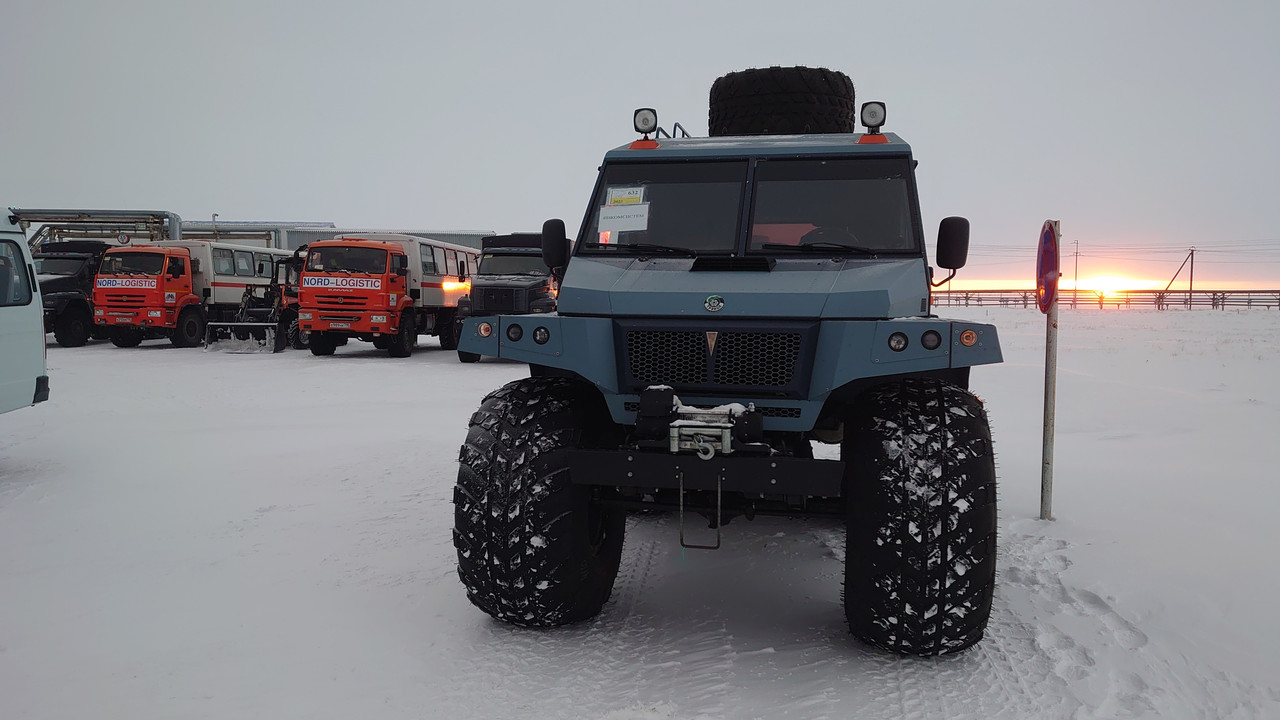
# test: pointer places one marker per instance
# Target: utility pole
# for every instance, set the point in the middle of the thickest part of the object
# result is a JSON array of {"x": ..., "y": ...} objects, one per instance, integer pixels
[
  {"x": 1075, "y": 285},
  {"x": 1191, "y": 280}
]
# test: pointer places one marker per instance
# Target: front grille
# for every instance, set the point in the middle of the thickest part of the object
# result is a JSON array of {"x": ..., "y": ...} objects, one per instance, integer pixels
[
  {"x": 126, "y": 299},
  {"x": 341, "y": 302},
  {"x": 496, "y": 301},
  {"x": 720, "y": 358}
]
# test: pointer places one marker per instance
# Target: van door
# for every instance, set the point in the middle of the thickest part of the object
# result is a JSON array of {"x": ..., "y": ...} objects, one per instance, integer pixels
[{"x": 22, "y": 353}]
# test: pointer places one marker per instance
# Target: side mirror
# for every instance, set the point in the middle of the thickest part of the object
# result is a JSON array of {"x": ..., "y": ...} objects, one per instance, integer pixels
[
  {"x": 555, "y": 246},
  {"x": 462, "y": 270},
  {"x": 262, "y": 269},
  {"x": 953, "y": 243}
]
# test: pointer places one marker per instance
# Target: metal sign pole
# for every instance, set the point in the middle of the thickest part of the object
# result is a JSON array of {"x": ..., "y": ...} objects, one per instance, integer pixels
[{"x": 1050, "y": 391}]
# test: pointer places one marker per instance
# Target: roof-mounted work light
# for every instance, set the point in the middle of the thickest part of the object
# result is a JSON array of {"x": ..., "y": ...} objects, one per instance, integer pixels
[
  {"x": 873, "y": 116},
  {"x": 646, "y": 121}
]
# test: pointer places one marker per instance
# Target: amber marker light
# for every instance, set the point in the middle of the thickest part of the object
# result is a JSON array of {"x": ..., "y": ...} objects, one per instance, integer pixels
[
  {"x": 968, "y": 338},
  {"x": 485, "y": 329}
]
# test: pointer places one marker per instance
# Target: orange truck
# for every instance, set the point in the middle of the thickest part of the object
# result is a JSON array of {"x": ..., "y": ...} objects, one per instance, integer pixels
[
  {"x": 173, "y": 288},
  {"x": 383, "y": 288}
]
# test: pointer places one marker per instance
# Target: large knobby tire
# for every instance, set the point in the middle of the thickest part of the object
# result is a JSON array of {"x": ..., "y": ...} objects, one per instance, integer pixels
[
  {"x": 920, "y": 556},
  {"x": 450, "y": 330},
  {"x": 322, "y": 344},
  {"x": 533, "y": 549},
  {"x": 189, "y": 332},
  {"x": 73, "y": 327},
  {"x": 782, "y": 101},
  {"x": 402, "y": 344},
  {"x": 125, "y": 337}
]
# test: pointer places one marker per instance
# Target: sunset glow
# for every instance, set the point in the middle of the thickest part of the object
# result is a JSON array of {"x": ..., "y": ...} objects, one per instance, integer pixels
[{"x": 1107, "y": 284}]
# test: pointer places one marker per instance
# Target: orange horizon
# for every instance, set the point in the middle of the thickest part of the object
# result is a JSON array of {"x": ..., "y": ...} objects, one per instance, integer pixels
[{"x": 1107, "y": 284}]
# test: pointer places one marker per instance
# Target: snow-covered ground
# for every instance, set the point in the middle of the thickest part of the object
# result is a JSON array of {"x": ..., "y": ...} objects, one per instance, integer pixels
[{"x": 200, "y": 535}]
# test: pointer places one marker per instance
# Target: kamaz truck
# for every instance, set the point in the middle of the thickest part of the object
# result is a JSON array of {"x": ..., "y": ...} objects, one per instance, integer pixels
[
  {"x": 383, "y": 288},
  {"x": 731, "y": 303},
  {"x": 511, "y": 280}
]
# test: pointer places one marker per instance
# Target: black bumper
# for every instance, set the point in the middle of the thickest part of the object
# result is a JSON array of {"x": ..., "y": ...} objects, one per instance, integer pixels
[{"x": 751, "y": 474}]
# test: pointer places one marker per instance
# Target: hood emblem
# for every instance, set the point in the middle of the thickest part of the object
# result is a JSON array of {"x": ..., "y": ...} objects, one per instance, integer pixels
[
  {"x": 711, "y": 342},
  {"x": 715, "y": 303}
]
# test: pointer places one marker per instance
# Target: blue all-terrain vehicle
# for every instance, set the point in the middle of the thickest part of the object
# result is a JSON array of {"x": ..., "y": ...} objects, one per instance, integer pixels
[{"x": 732, "y": 301}]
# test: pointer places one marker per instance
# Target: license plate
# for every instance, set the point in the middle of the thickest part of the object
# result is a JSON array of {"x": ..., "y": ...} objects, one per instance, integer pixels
[
  {"x": 340, "y": 325},
  {"x": 124, "y": 319}
]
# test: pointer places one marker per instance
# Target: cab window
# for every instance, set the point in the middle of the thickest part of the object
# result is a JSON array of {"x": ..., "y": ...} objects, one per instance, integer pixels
[
  {"x": 451, "y": 262},
  {"x": 244, "y": 263},
  {"x": 177, "y": 266},
  {"x": 15, "y": 288},
  {"x": 428, "y": 260},
  {"x": 262, "y": 263}
]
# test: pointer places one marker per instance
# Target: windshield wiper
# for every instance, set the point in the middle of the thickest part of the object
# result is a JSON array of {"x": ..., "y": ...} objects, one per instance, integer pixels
[
  {"x": 821, "y": 246},
  {"x": 650, "y": 247}
]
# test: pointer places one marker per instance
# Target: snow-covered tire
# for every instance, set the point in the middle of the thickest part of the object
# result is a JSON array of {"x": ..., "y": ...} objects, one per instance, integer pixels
[
  {"x": 401, "y": 345},
  {"x": 533, "y": 549},
  {"x": 189, "y": 330},
  {"x": 73, "y": 327},
  {"x": 782, "y": 101},
  {"x": 125, "y": 337},
  {"x": 920, "y": 558}
]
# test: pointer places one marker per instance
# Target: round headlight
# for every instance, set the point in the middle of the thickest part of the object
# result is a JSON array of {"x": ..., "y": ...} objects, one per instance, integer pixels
[
  {"x": 930, "y": 340},
  {"x": 514, "y": 332},
  {"x": 968, "y": 338},
  {"x": 898, "y": 342},
  {"x": 541, "y": 335},
  {"x": 485, "y": 329}
]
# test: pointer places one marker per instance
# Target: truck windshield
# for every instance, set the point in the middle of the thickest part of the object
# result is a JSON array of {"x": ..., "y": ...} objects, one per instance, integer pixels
[
  {"x": 512, "y": 265},
  {"x": 132, "y": 263},
  {"x": 58, "y": 265},
  {"x": 860, "y": 205},
  {"x": 351, "y": 259},
  {"x": 691, "y": 207}
]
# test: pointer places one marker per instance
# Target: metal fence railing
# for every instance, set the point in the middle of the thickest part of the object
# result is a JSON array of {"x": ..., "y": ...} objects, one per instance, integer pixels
[{"x": 1151, "y": 299}]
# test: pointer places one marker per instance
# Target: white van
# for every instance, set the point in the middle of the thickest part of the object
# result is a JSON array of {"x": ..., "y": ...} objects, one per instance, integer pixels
[{"x": 23, "y": 376}]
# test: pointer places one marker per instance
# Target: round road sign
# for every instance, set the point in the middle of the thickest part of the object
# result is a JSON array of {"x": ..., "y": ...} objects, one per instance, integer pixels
[{"x": 1047, "y": 271}]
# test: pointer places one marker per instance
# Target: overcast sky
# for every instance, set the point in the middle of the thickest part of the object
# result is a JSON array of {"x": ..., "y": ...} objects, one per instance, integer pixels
[{"x": 1145, "y": 127}]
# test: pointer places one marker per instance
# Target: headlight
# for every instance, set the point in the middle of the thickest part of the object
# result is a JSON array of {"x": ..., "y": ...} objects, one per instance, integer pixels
[
  {"x": 378, "y": 318},
  {"x": 97, "y": 312},
  {"x": 541, "y": 335},
  {"x": 645, "y": 119},
  {"x": 898, "y": 342},
  {"x": 154, "y": 313},
  {"x": 968, "y": 338},
  {"x": 514, "y": 332},
  {"x": 930, "y": 340},
  {"x": 304, "y": 316},
  {"x": 484, "y": 329}
]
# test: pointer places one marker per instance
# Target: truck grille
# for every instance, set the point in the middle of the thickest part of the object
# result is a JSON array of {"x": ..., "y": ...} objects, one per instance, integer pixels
[
  {"x": 341, "y": 302},
  {"x": 126, "y": 299},
  {"x": 496, "y": 301},
  {"x": 743, "y": 356}
]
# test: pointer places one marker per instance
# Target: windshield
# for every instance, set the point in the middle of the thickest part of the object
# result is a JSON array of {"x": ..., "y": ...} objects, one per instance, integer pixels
[
  {"x": 352, "y": 259},
  {"x": 512, "y": 265},
  {"x": 132, "y": 263},
  {"x": 59, "y": 265},
  {"x": 862, "y": 204},
  {"x": 693, "y": 206}
]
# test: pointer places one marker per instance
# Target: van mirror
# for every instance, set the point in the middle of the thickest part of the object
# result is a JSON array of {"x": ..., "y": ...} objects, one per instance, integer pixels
[
  {"x": 462, "y": 270},
  {"x": 555, "y": 246}
]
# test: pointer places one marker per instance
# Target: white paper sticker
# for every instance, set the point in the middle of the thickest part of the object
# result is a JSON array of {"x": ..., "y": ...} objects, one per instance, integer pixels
[
  {"x": 624, "y": 196},
  {"x": 625, "y": 218}
]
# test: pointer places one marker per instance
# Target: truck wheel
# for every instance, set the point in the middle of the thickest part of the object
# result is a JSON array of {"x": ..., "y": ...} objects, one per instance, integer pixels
[
  {"x": 301, "y": 338},
  {"x": 467, "y": 357},
  {"x": 449, "y": 330},
  {"x": 72, "y": 328},
  {"x": 322, "y": 344},
  {"x": 189, "y": 331},
  {"x": 402, "y": 345},
  {"x": 782, "y": 101},
  {"x": 533, "y": 549},
  {"x": 125, "y": 337},
  {"x": 920, "y": 555}
]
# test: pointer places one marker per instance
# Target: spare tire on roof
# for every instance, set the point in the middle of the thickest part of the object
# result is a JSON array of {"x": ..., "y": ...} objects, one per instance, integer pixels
[{"x": 782, "y": 101}]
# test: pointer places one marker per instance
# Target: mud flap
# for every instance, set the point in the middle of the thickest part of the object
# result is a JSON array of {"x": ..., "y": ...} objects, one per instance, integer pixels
[
  {"x": 719, "y": 522},
  {"x": 241, "y": 337}
]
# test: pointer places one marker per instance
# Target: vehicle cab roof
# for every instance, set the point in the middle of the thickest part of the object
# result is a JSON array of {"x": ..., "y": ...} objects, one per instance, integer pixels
[{"x": 745, "y": 146}]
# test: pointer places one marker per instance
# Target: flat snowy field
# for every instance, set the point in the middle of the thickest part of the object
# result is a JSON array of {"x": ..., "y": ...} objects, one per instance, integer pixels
[{"x": 201, "y": 535}]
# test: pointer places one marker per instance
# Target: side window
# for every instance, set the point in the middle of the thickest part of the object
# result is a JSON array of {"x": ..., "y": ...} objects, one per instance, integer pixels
[
  {"x": 263, "y": 260},
  {"x": 15, "y": 289},
  {"x": 244, "y": 263},
  {"x": 428, "y": 260},
  {"x": 177, "y": 266},
  {"x": 451, "y": 262},
  {"x": 222, "y": 262},
  {"x": 439, "y": 253}
]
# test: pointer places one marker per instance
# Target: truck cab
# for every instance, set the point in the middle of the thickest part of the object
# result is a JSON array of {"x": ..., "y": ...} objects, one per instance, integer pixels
[
  {"x": 511, "y": 279},
  {"x": 66, "y": 271},
  {"x": 143, "y": 292},
  {"x": 24, "y": 379}
]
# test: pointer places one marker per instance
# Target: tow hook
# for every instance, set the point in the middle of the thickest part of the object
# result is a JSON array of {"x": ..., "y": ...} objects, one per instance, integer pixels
[{"x": 706, "y": 451}]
